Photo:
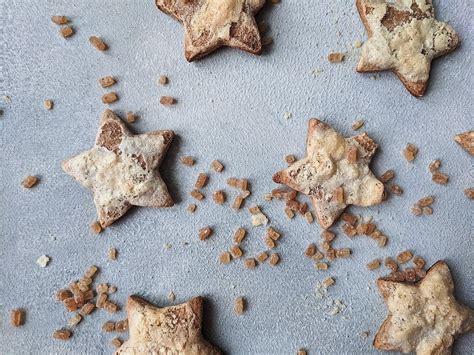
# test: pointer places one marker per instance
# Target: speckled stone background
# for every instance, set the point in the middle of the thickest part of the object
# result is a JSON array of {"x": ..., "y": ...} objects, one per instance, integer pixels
[{"x": 231, "y": 106}]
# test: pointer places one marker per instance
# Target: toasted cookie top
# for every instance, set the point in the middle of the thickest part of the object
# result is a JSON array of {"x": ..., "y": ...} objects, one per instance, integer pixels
[
  {"x": 424, "y": 317},
  {"x": 335, "y": 172},
  {"x": 210, "y": 24},
  {"x": 405, "y": 37},
  {"x": 169, "y": 330},
  {"x": 121, "y": 169}
]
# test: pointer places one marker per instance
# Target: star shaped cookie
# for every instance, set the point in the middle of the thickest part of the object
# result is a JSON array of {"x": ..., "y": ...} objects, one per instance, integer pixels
[
  {"x": 335, "y": 172},
  {"x": 170, "y": 330},
  {"x": 121, "y": 169},
  {"x": 404, "y": 37},
  {"x": 210, "y": 24},
  {"x": 424, "y": 317}
]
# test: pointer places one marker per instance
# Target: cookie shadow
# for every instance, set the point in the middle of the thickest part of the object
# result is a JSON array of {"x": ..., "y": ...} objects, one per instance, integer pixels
[
  {"x": 169, "y": 171},
  {"x": 209, "y": 327}
]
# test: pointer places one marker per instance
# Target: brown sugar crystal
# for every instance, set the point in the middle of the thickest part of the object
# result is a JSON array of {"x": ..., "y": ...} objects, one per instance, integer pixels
[
  {"x": 357, "y": 125},
  {"x": 163, "y": 80},
  {"x": 374, "y": 264},
  {"x": 339, "y": 195},
  {"x": 87, "y": 309},
  {"x": 289, "y": 213},
  {"x": 109, "y": 97},
  {"x": 197, "y": 194},
  {"x": 387, "y": 176},
  {"x": 273, "y": 234},
  {"x": 290, "y": 159},
  {"x": 404, "y": 256},
  {"x": 425, "y": 201},
  {"x": 391, "y": 264},
  {"x": 239, "y": 235},
  {"x": 427, "y": 210},
  {"x": 284, "y": 194},
  {"x": 309, "y": 217},
  {"x": 91, "y": 271},
  {"x": 131, "y": 117},
  {"x": 167, "y": 100},
  {"x": 419, "y": 262},
  {"x": 106, "y": 81},
  {"x": 349, "y": 218},
  {"x": 434, "y": 165},
  {"x": 336, "y": 57},
  {"x": 217, "y": 166},
  {"x": 108, "y": 327},
  {"x": 62, "y": 334},
  {"x": 219, "y": 197},
  {"x": 66, "y": 31},
  {"x": 236, "y": 251},
  {"x": 205, "y": 233},
  {"x": 121, "y": 326},
  {"x": 112, "y": 254},
  {"x": 75, "y": 320},
  {"x": 321, "y": 266},
  {"x": 48, "y": 104},
  {"x": 274, "y": 259},
  {"x": 96, "y": 227},
  {"x": 110, "y": 307},
  {"x": 469, "y": 192},
  {"x": 29, "y": 182},
  {"x": 250, "y": 263},
  {"x": 270, "y": 243},
  {"x": 59, "y": 20},
  {"x": 310, "y": 250},
  {"x": 349, "y": 230},
  {"x": 70, "y": 304},
  {"x": 101, "y": 299},
  {"x": 17, "y": 317},
  {"x": 61, "y": 295},
  {"x": 237, "y": 204},
  {"x": 188, "y": 161},
  {"x": 201, "y": 181},
  {"x": 102, "y": 288},
  {"x": 116, "y": 342},
  {"x": 396, "y": 190},
  {"x": 261, "y": 257},
  {"x": 343, "y": 253},
  {"x": 410, "y": 152},
  {"x": 328, "y": 282},
  {"x": 225, "y": 258},
  {"x": 239, "y": 305},
  {"x": 440, "y": 178},
  {"x": 328, "y": 236},
  {"x": 98, "y": 43}
]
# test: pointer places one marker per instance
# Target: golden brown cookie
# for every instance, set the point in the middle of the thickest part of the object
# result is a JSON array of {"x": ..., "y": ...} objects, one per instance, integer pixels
[
  {"x": 121, "y": 169},
  {"x": 210, "y": 24},
  {"x": 424, "y": 317},
  {"x": 335, "y": 172},
  {"x": 170, "y": 330},
  {"x": 404, "y": 37}
]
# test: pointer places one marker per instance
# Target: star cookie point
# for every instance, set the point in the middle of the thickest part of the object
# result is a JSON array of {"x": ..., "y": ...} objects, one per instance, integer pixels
[
  {"x": 404, "y": 37},
  {"x": 121, "y": 169},
  {"x": 175, "y": 329},
  {"x": 211, "y": 24},
  {"x": 335, "y": 172},
  {"x": 425, "y": 316}
]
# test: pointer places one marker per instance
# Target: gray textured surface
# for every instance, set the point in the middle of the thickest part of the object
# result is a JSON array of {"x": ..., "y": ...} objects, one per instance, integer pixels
[{"x": 231, "y": 106}]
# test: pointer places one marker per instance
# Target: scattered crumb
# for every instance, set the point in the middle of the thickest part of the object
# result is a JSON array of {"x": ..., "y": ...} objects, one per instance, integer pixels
[
  {"x": 167, "y": 100},
  {"x": 328, "y": 282},
  {"x": 48, "y": 104},
  {"x": 131, "y": 117},
  {"x": 96, "y": 228},
  {"x": 163, "y": 80},
  {"x": 205, "y": 233},
  {"x": 171, "y": 296},
  {"x": 112, "y": 255},
  {"x": 43, "y": 260},
  {"x": 59, "y": 20},
  {"x": 107, "y": 81},
  {"x": 116, "y": 343},
  {"x": 17, "y": 317},
  {"x": 240, "y": 305},
  {"x": 357, "y": 125},
  {"x": 66, "y": 31},
  {"x": 290, "y": 159},
  {"x": 62, "y": 334},
  {"x": 258, "y": 218},
  {"x": 410, "y": 152},
  {"x": 274, "y": 259},
  {"x": 188, "y": 161},
  {"x": 225, "y": 258},
  {"x": 191, "y": 208},
  {"x": 357, "y": 44},
  {"x": 109, "y": 98},
  {"x": 287, "y": 115},
  {"x": 374, "y": 264},
  {"x": 469, "y": 192},
  {"x": 197, "y": 194},
  {"x": 250, "y": 263},
  {"x": 217, "y": 166},
  {"x": 201, "y": 181}
]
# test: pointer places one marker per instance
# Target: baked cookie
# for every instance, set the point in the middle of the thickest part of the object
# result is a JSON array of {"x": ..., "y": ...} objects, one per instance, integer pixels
[
  {"x": 121, "y": 169},
  {"x": 335, "y": 172},
  {"x": 170, "y": 330},
  {"x": 424, "y": 317},
  {"x": 210, "y": 24},
  {"x": 404, "y": 37}
]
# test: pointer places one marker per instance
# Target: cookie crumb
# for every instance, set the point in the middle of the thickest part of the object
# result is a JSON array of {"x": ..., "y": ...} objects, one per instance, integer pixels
[
  {"x": 205, "y": 233},
  {"x": 357, "y": 125},
  {"x": 29, "y": 181},
  {"x": 374, "y": 264},
  {"x": 17, "y": 317},
  {"x": 217, "y": 166},
  {"x": 258, "y": 218},
  {"x": 48, "y": 104},
  {"x": 410, "y": 152},
  {"x": 163, "y": 80},
  {"x": 225, "y": 258},
  {"x": 43, "y": 260},
  {"x": 66, "y": 31},
  {"x": 336, "y": 57},
  {"x": 109, "y": 98},
  {"x": 107, "y": 81},
  {"x": 59, "y": 20},
  {"x": 167, "y": 100},
  {"x": 98, "y": 43},
  {"x": 96, "y": 227},
  {"x": 61, "y": 334},
  {"x": 240, "y": 305},
  {"x": 188, "y": 161}
]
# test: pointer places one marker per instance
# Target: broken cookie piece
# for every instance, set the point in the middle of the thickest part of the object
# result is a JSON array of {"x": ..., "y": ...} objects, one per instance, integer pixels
[
  {"x": 404, "y": 37},
  {"x": 466, "y": 140},
  {"x": 424, "y": 317},
  {"x": 121, "y": 169},
  {"x": 329, "y": 177},
  {"x": 169, "y": 330},
  {"x": 210, "y": 24}
]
